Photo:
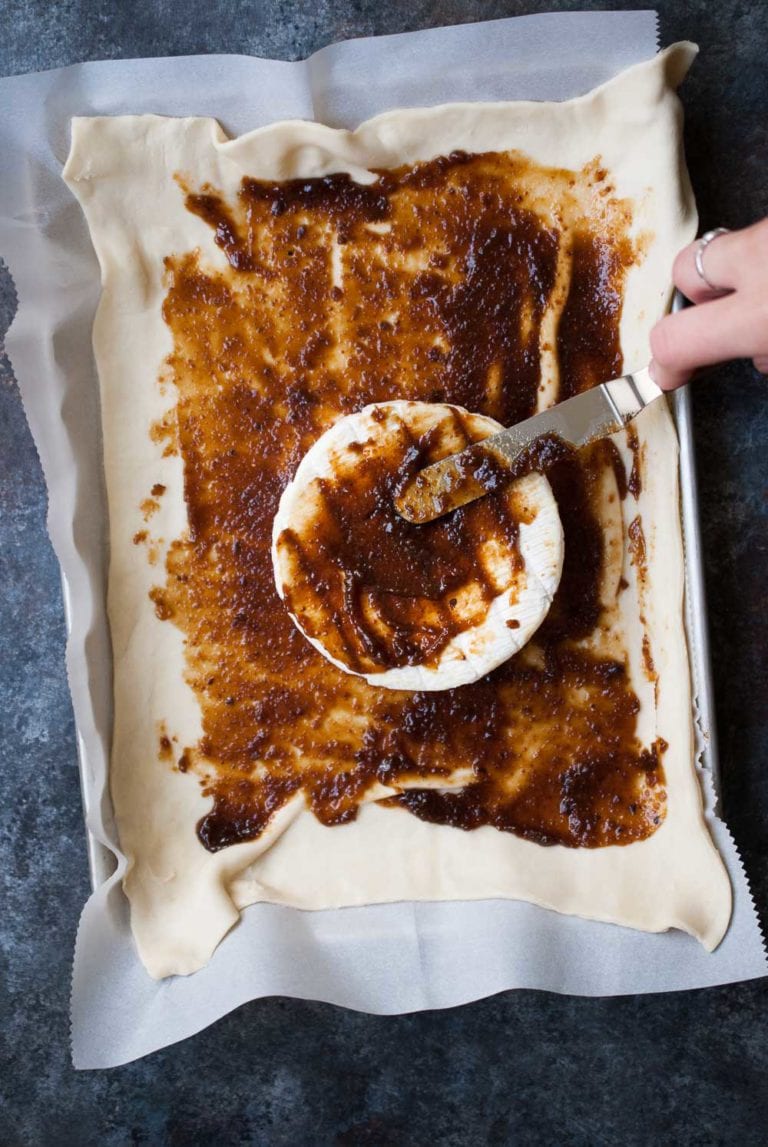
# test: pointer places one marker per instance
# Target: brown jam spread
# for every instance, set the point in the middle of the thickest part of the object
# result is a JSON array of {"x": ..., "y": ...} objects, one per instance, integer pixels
[
  {"x": 375, "y": 590},
  {"x": 479, "y": 471},
  {"x": 635, "y": 481},
  {"x": 436, "y": 283}
]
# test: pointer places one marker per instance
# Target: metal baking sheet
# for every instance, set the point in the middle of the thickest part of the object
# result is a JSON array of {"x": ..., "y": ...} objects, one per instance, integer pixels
[{"x": 695, "y": 593}]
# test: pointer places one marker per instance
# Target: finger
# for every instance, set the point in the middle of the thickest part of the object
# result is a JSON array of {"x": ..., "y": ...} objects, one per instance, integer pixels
[
  {"x": 729, "y": 327},
  {"x": 726, "y": 259},
  {"x": 666, "y": 378},
  {"x": 761, "y": 363},
  {"x": 687, "y": 279}
]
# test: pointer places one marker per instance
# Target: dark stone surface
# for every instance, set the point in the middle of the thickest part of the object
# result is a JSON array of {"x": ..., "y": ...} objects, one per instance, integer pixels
[{"x": 520, "y": 1068}]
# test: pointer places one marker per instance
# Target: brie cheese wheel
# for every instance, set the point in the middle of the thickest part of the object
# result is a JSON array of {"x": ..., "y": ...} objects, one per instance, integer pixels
[{"x": 412, "y": 607}]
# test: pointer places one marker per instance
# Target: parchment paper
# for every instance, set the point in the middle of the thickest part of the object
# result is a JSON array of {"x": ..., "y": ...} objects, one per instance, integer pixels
[{"x": 384, "y": 959}]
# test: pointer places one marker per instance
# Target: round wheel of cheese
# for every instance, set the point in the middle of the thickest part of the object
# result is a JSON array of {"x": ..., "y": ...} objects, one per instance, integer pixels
[{"x": 412, "y": 607}]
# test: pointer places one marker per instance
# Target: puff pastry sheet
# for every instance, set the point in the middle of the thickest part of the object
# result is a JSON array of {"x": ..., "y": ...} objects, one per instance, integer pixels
[{"x": 183, "y": 898}]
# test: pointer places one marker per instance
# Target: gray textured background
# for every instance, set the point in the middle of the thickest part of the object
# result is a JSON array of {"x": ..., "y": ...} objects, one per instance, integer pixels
[{"x": 522, "y": 1067}]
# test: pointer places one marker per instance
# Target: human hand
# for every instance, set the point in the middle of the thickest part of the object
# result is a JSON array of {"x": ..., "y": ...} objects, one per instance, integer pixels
[{"x": 724, "y": 324}]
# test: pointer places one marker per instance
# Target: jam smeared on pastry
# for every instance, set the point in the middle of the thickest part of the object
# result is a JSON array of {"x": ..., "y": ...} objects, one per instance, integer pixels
[{"x": 484, "y": 281}]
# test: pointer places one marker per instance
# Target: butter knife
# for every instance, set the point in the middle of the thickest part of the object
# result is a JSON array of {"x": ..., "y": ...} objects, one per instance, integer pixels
[{"x": 483, "y": 467}]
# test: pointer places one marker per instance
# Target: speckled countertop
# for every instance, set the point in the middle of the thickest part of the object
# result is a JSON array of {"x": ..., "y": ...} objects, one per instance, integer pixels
[{"x": 516, "y": 1069}]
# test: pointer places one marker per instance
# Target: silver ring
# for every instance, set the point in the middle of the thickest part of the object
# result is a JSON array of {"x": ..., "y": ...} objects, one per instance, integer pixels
[{"x": 701, "y": 247}]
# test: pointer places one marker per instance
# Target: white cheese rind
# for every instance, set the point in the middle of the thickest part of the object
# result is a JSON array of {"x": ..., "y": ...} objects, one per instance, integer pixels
[{"x": 526, "y": 599}]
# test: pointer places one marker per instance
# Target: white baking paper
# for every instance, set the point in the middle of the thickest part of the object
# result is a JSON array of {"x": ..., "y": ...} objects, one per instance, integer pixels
[{"x": 384, "y": 959}]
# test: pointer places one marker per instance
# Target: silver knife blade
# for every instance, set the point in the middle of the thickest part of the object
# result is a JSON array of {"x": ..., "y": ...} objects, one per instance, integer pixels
[{"x": 462, "y": 478}]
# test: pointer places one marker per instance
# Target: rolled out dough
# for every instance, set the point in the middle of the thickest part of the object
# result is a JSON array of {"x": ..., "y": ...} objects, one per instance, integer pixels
[{"x": 184, "y": 898}]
